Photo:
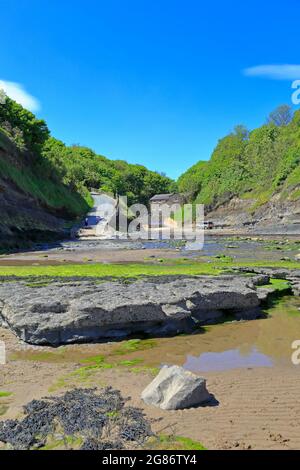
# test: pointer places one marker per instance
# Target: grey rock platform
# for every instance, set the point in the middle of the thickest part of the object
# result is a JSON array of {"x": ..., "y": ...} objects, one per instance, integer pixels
[{"x": 88, "y": 310}]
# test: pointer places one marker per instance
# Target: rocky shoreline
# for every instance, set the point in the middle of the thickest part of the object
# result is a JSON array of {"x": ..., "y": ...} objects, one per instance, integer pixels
[
  {"x": 291, "y": 275},
  {"x": 85, "y": 310}
]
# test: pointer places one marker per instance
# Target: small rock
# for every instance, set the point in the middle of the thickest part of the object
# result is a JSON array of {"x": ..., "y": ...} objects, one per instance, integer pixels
[
  {"x": 261, "y": 280},
  {"x": 175, "y": 388}
]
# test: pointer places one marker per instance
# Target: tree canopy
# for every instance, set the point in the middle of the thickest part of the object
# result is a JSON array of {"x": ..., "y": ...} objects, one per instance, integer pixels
[
  {"x": 28, "y": 132},
  {"x": 250, "y": 164},
  {"x": 281, "y": 116}
]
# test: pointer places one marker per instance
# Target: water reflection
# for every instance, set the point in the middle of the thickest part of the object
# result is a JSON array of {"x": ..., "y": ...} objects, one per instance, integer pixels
[{"x": 231, "y": 359}]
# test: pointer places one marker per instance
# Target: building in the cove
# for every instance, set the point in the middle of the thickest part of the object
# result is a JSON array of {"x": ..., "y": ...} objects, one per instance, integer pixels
[
  {"x": 169, "y": 199},
  {"x": 161, "y": 205}
]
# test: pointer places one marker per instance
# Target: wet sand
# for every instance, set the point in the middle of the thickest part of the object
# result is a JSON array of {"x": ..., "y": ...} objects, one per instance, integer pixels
[
  {"x": 47, "y": 257},
  {"x": 114, "y": 251}
]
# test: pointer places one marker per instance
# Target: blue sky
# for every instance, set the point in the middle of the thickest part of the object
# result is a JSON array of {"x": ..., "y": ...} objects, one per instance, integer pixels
[{"x": 155, "y": 82}]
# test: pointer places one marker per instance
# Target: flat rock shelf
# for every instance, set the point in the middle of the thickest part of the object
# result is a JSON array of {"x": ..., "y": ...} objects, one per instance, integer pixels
[{"x": 84, "y": 310}]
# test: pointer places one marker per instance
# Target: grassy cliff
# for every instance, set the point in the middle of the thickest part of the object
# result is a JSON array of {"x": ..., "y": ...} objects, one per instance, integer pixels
[
  {"x": 35, "y": 204},
  {"x": 256, "y": 166}
]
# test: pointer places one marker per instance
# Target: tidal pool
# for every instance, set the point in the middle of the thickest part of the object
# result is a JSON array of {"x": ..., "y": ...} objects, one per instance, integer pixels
[
  {"x": 246, "y": 344},
  {"x": 231, "y": 359}
]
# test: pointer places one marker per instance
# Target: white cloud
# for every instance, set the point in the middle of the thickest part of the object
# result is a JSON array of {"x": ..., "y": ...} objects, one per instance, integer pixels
[
  {"x": 274, "y": 72},
  {"x": 16, "y": 92}
]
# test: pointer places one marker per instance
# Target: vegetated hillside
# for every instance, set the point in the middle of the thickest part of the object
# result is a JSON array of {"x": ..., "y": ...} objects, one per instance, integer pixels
[
  {"x": 81, "y": 168},
  {"x": 35, "y": 204},
  {"x": 252, "y": 177},
  {"x": 44, "y": 185}
]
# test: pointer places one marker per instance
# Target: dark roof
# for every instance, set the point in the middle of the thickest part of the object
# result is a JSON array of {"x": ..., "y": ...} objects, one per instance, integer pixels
[{"x": 162, "y": 197}]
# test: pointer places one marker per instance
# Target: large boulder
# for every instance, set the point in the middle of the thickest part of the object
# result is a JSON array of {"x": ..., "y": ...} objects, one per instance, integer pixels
[{"x": 175, "y": 388}]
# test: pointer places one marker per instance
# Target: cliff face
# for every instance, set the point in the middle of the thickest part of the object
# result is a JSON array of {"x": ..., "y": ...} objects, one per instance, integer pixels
[
  {"x": 23, "y": 220},
  {"x": 275, "y": 216},
  {"x": 26, "y": 216}
]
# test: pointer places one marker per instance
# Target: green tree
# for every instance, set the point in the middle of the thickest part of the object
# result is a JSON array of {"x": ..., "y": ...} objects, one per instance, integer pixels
[
  {"x": 28, "y": 132},
  {"x": 281, "y": 116}
]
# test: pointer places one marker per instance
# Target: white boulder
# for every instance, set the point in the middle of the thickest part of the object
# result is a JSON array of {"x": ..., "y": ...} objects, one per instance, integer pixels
[{"x": 175, "y": 388}]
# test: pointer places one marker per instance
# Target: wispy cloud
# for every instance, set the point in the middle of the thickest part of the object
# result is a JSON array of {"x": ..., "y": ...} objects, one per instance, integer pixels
[
  {"x": 274, "y": 72},
  {"x": 16, "y": 92}
]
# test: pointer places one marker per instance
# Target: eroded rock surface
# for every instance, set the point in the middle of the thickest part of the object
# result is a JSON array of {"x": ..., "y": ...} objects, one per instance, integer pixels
[
  {"x": 291, "y": 275},
  {"x": 87, "y": 310}
]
